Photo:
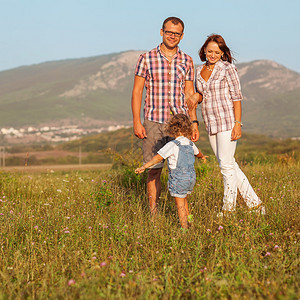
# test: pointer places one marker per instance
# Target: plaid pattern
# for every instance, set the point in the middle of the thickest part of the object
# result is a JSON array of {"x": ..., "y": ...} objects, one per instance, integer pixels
[
  {"x": 165, "y": 83},
  {"x": 219, "y": 92}
]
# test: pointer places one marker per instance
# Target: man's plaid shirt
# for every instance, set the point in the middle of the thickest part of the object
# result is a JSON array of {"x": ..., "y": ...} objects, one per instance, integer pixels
[{"x": 165, "y": 83}]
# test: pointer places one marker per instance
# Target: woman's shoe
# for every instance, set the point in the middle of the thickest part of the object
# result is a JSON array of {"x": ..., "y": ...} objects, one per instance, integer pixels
[{"x": 259, "y": 209}]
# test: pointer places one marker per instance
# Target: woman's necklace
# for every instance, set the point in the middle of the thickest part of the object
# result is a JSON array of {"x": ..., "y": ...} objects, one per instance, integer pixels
[{"x": 208, "y": 68}]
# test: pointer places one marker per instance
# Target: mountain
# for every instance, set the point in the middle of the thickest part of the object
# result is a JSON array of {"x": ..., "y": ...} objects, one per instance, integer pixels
[
  {"x": 271, "y": 93},
  {"x": 97, "y": 91}
]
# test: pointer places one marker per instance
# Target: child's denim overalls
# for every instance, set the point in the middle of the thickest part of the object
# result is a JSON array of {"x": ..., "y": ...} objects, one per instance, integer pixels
[{"x": 183, "y": 178}]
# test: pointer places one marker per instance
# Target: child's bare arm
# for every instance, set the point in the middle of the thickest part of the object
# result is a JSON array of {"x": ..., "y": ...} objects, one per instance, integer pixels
[{"x": 156, "y": 159}]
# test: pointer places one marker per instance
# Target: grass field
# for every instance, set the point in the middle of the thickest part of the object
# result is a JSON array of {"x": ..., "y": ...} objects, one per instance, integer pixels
[{"x": 87, "y": 234}]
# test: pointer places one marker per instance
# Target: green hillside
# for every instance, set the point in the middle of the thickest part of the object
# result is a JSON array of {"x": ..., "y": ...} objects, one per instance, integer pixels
[
  {"x": 120, "y": 144},
  {"x": 252, "y": 147}
]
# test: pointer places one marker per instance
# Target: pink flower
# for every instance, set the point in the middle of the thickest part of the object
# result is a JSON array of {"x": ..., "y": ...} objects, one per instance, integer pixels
[
  {"x": 103, "y": 264},
  {"x": 82, "y": 274},
  {"x": 208, "y": 230},
  {"x": 276, "y": 247},
  {"x": 123, "y": 274},
  {"x": 71, "y": 282},
  {"x": 220, "y": 227},
  {"x": 67, "y": 231},
  {"x": 268, "y": 254}
]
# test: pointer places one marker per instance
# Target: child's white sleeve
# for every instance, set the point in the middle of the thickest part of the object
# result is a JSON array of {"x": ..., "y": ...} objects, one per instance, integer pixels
[
  {"x": 196, "y": 150},
  {"x": 167, "y": 150}
]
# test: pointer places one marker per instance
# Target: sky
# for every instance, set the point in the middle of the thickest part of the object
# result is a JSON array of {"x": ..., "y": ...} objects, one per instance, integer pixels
[{"x": 36, "y": 31}]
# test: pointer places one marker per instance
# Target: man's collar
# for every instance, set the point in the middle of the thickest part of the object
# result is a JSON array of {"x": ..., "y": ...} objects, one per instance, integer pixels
[{"x": 158, "y": 49}]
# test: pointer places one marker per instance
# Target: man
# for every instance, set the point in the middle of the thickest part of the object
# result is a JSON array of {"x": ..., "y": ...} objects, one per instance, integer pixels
[{"x": 167, "y": 74}]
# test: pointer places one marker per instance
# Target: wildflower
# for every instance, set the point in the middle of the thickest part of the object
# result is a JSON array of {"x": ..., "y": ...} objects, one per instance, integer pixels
[
  {"x": 276, "y": 247},
  {"x": 36, "y": 227},
  {"x": 59, "y": 190},
  {"x": 71, "y": 282},
  {"x": 220, "y": 227},
  {"x": 82, "y": 274},
  {"x": 268, "y": 254},
  {"x": 271, "y": 233},
  {"x": 208, "y": 230},
  {"x": 110, "y": 257},
  {"x": 123, "y": 274},
  {"x": 94, "y": 257},
  {"x": 67, "y": 231}
]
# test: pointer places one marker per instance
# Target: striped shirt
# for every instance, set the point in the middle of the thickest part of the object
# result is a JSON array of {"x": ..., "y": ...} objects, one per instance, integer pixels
[
  {"x": 164, "y": 83},
  {"x": 219, "y": 92}
]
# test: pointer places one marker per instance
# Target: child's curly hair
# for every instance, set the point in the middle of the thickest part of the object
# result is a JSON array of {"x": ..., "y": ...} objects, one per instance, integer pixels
[{"x": 180, "y": 124}]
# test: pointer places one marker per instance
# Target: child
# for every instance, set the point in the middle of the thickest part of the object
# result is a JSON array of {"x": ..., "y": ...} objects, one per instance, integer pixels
[{"x": 181, "y": 154}]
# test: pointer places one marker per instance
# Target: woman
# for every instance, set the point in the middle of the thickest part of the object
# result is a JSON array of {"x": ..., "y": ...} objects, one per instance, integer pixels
[{"x": 218, "y": 89}]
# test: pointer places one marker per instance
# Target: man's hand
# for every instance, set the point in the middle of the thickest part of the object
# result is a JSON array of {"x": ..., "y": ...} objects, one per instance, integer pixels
[
  {"x": 139, "y": 131},
  {"x": 195, "y": 135},
  {"x": 192, "y": 101}
]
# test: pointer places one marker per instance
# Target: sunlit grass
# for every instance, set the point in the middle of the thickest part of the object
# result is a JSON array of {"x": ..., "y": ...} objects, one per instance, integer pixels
[{"x": 89, "y": 235}]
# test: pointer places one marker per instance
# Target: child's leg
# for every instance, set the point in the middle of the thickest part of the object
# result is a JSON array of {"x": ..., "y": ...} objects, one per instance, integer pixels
[
  {"x": 186, "y": 206},
  {"x": 190, "y": 218},
  {"x": 181, "y": 204}
]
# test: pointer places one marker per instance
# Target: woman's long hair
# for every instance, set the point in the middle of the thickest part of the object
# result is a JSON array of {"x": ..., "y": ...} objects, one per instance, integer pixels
[{"x": 222, "y": 45}]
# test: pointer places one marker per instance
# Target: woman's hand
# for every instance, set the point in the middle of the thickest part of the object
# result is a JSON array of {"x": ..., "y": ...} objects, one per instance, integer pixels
[{"x": 236, "y": 132}]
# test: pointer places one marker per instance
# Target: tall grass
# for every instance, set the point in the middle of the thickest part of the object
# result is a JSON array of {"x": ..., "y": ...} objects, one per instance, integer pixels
[{"x": 89, "y": 235}]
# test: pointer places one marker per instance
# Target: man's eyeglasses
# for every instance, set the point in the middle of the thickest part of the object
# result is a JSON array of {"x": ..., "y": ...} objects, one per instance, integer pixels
[{"x": 170, "y": 33}]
